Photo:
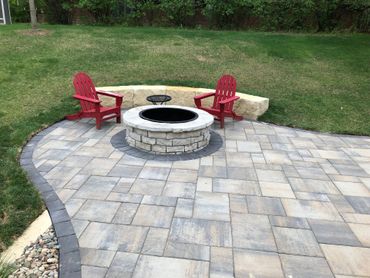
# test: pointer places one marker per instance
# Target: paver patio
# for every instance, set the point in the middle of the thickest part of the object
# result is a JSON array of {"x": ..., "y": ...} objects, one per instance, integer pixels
[{"x": 272, "y": 202}]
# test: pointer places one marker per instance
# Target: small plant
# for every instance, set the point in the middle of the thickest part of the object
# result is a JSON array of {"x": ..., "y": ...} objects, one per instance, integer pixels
[{"x": 6, "y": 269}]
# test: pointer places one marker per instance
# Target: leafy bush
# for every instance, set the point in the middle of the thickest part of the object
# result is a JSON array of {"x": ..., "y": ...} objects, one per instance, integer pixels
[
  {"x": 227, "y": 13},
  {"x": 179, "y": 12},
  {"x": 20, "y": 9},
  {"x": 144, "y": 12},
  {"x": 284, "y": 15}
]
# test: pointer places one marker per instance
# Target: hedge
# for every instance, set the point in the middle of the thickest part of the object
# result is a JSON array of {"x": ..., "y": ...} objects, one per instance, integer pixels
[{"x": 285, "y": 15}]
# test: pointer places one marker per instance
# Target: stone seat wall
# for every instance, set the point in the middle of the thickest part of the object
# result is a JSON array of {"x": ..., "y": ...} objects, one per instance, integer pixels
[{"x": 248, "y": 106}]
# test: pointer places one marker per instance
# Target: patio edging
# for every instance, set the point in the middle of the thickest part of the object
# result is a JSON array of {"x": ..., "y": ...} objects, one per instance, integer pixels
[{"x": 69, "y": 252}]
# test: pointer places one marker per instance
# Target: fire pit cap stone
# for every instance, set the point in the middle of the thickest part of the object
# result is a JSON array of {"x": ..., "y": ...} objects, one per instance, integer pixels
[{"x": 132, "y": 118}]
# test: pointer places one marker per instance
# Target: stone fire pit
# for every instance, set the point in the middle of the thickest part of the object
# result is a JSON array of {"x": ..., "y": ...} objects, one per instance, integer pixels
[{"x": 167, "y": 129}]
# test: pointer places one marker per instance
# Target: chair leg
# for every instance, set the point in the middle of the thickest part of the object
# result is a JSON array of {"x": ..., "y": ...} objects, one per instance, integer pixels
[
  {"x": 118, "y": 119},
  {"x": 222, "y": 121},
  {"x": 98, "y": 122},
  {"x": 237, "y": 117}
]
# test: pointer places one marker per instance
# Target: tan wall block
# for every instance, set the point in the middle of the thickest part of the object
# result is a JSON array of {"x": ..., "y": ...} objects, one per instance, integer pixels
[
  {"x": 142, "y": 92},
  {"x": 251, "y": 107},
  {"x": 181, "y": 95},
  {"x": 248, "y": 106}
]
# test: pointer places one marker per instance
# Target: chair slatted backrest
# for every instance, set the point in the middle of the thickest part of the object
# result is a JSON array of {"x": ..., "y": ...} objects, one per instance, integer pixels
[
  {"x": 226, "y": 88},
  {"x": 84, "y": 86}
]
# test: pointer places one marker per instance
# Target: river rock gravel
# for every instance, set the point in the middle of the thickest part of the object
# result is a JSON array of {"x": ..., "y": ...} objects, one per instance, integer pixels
[{"x": 39, "y": 259}]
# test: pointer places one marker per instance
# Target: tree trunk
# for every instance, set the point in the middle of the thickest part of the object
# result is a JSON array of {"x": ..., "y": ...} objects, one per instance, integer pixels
[{"x": 33, "y": 14}]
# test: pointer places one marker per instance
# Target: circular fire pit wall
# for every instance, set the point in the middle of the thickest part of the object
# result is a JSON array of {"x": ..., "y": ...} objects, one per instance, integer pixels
[{"x": 167, "y": 129}]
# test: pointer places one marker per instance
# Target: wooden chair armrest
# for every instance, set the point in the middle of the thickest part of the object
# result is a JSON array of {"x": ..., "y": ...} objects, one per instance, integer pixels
[
  {"x": 96, "y": 101},
  {"x": 229, "y": 100},
  {"x": 108, "y": 94},
  {"x": 204, "y": 95}
]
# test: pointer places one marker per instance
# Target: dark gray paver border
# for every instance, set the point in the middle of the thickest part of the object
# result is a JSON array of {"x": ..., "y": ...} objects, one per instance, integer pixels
[
  {"x": 119, "y": 142},
  {"x": 69, "y": 251}
]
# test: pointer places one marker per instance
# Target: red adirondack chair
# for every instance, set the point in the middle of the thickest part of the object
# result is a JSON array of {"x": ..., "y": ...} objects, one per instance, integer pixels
[
  {"x": 91, "y": 106},
  {"x": 223, "y": 102}
]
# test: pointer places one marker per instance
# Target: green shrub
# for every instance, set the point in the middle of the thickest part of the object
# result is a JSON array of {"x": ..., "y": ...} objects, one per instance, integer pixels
[
  {"x": 6, "y": 269},
  {"x": 179, "y": 12},
  {"x": 227, "y": 13},
  {"x": 144, "y": 12},
  {"x": 284, "y": 15},
  {"x": 20, "y": 9}
]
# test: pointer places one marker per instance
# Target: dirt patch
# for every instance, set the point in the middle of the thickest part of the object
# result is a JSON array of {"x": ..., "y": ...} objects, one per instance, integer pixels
[{"x": 34, "y": 32}]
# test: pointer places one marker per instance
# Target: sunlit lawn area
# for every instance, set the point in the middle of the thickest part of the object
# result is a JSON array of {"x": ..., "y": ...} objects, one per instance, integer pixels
[{"x": 319, "y": 82}]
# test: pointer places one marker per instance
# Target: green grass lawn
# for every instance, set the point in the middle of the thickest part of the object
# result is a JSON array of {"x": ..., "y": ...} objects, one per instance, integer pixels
[{"x": 319, "y": 82}]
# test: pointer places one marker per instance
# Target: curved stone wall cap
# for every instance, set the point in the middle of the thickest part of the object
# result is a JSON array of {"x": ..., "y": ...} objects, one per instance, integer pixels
[{"x": 131, "y": 118}]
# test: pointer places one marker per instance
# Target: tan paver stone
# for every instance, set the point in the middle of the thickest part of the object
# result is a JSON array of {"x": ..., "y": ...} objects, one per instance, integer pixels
[
  {"x": 184, "y": 208},
  {"x": 113, "y": 237},
  {"x": 271, "y": 176},
  {"x": 155, "y": 241},
  {"x": 126, "y": 171},
  {"x": 257, "y": 264},
  {"x": 187, "y": 251},
  {"x": 65, "y": 194},
  {"x": 353, "y": 189},
  {"x": 238, "y": 160},
  {"x": 62, "y": 173},
  {"x": 96, "y": 187},
  {"x": 92, "y": 271},
  {"x": 296, "y": 242},
  {"x": 331, "y": 232},
  {"x": 123, "y": 197},
  {"x": 97, "y": 210},
  {"x": 131, "y": 160},
  {"x": 356, "y": 218},
  {"x": 305, "y": 267},
  {"x": 311, "y": 209},
  {"x": 341, "y": 204},
  {"x": 73, "y": 205},
  {"x": 252, "y": 231},
  {"x": 222, "y": 263},
  {"x": 77, "y": 181},
  {"x": 346, "y": 260},
  {"x": 310, "y": 185},
  {"x": 159, "y": 216},
  {"x": 332, "y": 154},
  {"x": 200, "y": 231},
  {"x": 155, "y": 267},
  {"x": 187, "y": 164},
  {"x": 247, "y": 146},
  {"x": 236, "y": 186},
  {"x": 289, "y": 222},
  {"x": 147, "y": 187},
  {"x": 275, "y": 189},
  {"x": 362, "y": 232},
  {"x": 95, "y": 257},
  {"x": 76, "y": 161},
  {"x": 204, "y": 184},
  {"x": 79, "y": 226},
  {"x": 211, "y": 206},
  {"x": 123, "y": 265},
  {"x": 265, "y": 205},
  {"x": 99, "y": 166},
  {"x": 182, "y": 175},
  {"x": 276, "y": 157},
  {"x": 179, "y": 189},
  {"x": 124, "y": 185},
  {"x": 238, "y": 203},
  {"x": 125, "y": 213},
  {"x": 94, "y": 151}
]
